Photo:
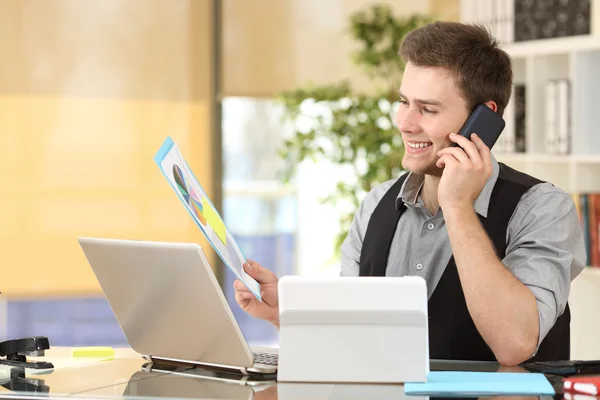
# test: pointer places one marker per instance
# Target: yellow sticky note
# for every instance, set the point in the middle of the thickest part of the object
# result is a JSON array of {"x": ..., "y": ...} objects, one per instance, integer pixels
[
  {"x": 213, "y": 219},
  {"x": 104, "y": 352}
]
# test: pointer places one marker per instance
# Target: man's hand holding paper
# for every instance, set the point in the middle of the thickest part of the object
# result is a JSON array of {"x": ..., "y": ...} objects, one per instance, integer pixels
[{"x": 268, "y": 309}]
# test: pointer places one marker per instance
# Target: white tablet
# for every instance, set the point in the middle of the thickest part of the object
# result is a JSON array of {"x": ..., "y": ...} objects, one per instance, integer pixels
[{"x": 353, "y": 329}]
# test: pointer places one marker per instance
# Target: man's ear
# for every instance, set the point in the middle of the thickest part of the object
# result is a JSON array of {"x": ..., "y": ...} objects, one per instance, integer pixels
[{"x": 492, "y": 104}]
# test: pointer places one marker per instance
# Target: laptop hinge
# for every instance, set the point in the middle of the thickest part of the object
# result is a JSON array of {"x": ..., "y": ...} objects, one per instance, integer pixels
[{"x": 158, "y": 360}]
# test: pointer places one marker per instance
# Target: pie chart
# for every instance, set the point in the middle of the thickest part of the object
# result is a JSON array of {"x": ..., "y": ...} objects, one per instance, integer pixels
[{"x": 191, "y": 198}]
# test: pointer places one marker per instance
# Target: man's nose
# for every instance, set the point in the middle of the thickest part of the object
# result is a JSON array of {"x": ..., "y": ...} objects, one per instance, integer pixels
[{"x": 407, "y": 120}]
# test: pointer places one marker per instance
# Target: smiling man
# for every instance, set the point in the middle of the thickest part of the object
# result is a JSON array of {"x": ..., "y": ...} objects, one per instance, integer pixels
[{"x": 497, "y": 248}]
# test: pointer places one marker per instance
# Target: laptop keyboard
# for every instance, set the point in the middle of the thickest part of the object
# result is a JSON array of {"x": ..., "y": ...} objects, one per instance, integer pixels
[{"x": 266, "y": 358}]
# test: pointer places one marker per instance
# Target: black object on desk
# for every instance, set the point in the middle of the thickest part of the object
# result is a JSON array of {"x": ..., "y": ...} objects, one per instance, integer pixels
[
  {"x": 17, "y": 350},
  {"x": 564, "y": 367},
  {"x": 18, "y": 382}
]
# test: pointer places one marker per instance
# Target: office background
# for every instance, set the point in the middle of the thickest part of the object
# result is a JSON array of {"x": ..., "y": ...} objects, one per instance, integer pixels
[{"x": 89, "y": 90}]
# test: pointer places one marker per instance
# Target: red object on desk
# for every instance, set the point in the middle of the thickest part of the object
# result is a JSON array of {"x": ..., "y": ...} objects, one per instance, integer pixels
[{"x": 582, "y": 384}]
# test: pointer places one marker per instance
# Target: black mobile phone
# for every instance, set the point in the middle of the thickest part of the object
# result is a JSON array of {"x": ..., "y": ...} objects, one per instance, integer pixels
[
  {"x": 486, "y": 123},
  {"x": 564, "y": 367}
]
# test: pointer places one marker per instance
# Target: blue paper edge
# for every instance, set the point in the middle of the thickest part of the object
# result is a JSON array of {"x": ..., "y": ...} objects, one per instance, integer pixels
[
  {"x": 163, "y": 150},
  {"x": 415, "y": 388},
  {"x": 443, "y": 374},
  {"x": 158, "y": 157}
]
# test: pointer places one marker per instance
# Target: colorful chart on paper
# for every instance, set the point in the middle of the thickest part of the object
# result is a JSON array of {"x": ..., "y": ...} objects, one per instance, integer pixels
[
  {"x": 199, "y": 206},
  {"x": 189, "y": 195}
]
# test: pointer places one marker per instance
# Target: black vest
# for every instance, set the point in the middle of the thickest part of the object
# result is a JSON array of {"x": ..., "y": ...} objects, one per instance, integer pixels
[{"x": 452, "y": 332}]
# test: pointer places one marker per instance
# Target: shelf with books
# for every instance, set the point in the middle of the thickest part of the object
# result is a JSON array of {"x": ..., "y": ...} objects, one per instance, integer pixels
[
  {"x": 524, "y": 25},
  {"x": 557, "y": 119},
  {"x": 552, "y": 121}
]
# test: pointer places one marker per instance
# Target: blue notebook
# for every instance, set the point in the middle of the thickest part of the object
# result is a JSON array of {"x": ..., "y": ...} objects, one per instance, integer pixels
[{"x": 458, "y": 383}]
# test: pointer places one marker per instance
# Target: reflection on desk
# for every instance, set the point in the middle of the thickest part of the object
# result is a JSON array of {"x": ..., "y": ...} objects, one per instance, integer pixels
[
  {"x": 301, "y": 391},
  {"x": 14, "y": 379},
  {"x": 73, "y": 376},
  {"x": 130, "y": 376},
  {"x": 147, "y": 385}
]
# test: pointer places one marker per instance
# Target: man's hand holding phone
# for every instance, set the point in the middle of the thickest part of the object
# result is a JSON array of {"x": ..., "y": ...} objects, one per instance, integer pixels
[
  {"x": 268, "y": 309},
  {"x": 467, "y": 167},
  {"x": 467, "y": 164}
]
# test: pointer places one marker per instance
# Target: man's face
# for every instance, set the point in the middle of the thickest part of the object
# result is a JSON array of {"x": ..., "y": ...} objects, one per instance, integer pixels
[{"x": 430, "y": 109}]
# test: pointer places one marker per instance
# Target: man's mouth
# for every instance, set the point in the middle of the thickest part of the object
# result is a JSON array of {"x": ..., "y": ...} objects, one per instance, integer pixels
[{"x": 418, "y": 145}]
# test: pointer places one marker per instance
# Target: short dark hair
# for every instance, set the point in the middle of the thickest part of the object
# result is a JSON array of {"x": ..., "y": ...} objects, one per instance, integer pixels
[{"x": 482, "y": 70}]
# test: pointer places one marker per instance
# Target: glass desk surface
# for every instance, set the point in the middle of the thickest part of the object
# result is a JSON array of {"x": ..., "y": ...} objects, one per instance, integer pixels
[{"x": 128, "y": 375}]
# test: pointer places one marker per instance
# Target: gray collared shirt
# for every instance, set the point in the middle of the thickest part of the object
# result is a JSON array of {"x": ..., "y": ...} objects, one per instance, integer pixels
[{"x": 545, "y": 247}]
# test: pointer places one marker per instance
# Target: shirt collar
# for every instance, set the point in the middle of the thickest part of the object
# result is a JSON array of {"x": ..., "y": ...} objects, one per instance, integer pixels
[{"x": 409, "y": 192}]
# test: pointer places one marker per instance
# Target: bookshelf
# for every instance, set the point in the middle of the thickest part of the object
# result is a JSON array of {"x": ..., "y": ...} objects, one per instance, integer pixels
[
  {"x": 574, "y": 59},
  {"x": 579, "y": 169}
]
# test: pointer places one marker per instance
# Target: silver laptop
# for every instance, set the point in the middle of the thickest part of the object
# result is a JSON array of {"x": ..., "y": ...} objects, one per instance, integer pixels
[{"x": 170, "y": 306}]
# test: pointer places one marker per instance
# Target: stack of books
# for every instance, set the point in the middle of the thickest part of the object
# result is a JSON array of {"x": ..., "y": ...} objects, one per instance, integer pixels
[
  {"x": 588, "y": 209},
  {"x": 522, "y": 20}
]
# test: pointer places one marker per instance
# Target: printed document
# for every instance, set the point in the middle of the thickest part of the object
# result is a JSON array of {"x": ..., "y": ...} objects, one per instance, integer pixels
[{"x": 189, "y": 191}]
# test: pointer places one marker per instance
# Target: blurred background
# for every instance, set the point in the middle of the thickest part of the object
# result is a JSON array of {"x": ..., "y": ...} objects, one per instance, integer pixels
[{"x": 282, "y": 109}]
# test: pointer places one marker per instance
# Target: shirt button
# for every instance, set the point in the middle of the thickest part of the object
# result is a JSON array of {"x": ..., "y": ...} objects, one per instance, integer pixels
[
  {"x": 419, "y": 266},
  {"x": 430, "y": 226}
]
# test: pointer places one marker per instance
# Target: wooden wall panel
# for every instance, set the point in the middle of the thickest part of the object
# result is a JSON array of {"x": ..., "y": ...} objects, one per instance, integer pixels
[
  {"x": 272, "y": 45},
  {"x": 88, "y": 92}
]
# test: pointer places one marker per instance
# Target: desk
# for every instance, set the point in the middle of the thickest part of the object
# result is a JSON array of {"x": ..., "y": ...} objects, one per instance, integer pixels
[{"x": 128, "y": 375}]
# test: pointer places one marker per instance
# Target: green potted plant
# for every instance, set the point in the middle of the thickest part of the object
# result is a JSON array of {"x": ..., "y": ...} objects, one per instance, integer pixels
[{"x": 352, "y": 129}]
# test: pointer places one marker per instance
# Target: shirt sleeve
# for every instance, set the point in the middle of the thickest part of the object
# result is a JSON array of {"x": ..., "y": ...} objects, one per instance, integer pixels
[
  {"x": 351, "y": 247},
  {"x": 546, "y": 250}
]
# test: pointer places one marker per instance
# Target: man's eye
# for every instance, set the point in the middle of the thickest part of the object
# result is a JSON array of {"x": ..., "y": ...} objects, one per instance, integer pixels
[
  {"x": 403, "y": 101},
  {"x": 428, "y": 111}
]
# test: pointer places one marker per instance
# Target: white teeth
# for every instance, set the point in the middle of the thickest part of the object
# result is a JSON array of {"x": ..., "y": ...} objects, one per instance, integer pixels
[{"x": 419, "y": 145}]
